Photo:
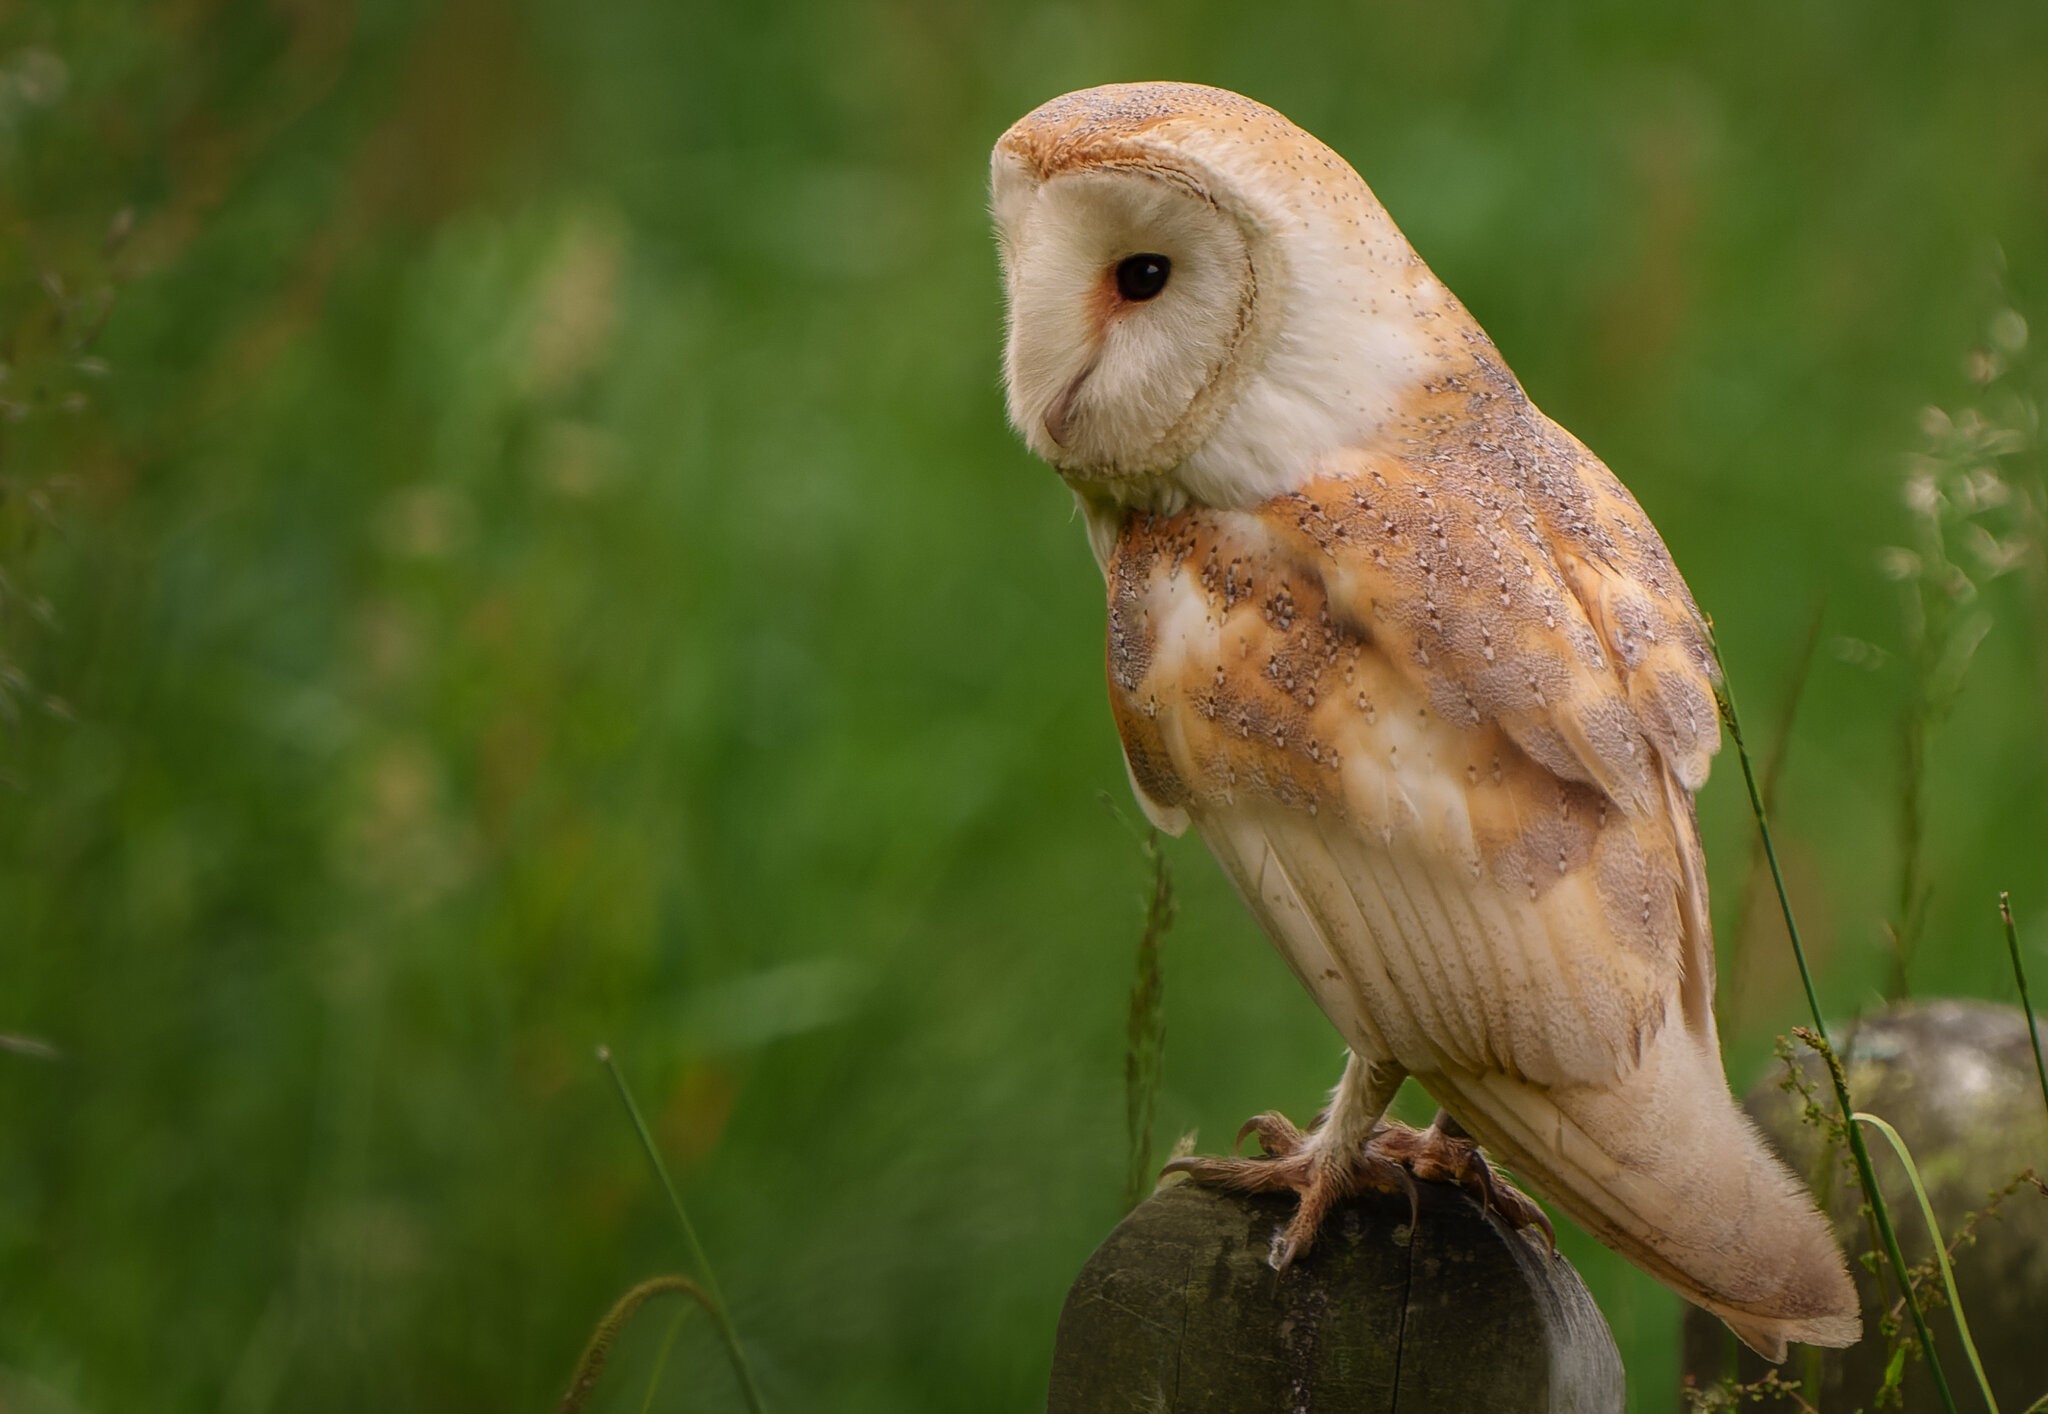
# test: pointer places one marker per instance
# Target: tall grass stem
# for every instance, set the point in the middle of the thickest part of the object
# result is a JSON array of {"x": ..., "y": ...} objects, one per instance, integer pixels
[
  {"x": 1948, "y": 1275},
  {"x": 1858, "y": 1150},
  {"x": 715, "y": 1304},
  {"x": 1145, "y": 1035},
  {"x": 2019, "y": 975},
  {"x": 668, "y": 1342},
  {"x": 1774, "y": 770},
  {"x": 590, "y": 1368}
]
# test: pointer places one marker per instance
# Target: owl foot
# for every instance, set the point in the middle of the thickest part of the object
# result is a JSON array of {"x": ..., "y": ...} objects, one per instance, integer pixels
[
  {"x": 1322, "y": 1173},
  {"x": 1444, "y": 1153},
  {"x": 1389, "y": 1160}
]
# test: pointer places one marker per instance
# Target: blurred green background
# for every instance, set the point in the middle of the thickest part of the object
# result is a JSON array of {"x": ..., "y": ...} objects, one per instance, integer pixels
[{"x": 511, "y": 542}]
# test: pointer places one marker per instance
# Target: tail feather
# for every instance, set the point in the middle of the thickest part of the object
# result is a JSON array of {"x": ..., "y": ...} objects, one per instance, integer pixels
[{"x": 1663, "y": 1167}]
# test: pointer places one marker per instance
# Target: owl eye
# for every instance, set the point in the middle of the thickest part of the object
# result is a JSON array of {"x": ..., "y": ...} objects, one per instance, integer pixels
[{"x": 1142, "y": 277}]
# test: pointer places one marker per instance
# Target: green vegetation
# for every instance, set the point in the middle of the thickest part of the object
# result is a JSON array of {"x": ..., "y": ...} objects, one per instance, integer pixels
[
  {"x": 1817, "y": 1037},
  {"x": 510, "y": 542}
]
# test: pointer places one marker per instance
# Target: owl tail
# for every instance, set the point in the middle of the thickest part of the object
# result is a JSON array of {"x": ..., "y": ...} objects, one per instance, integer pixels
[{"x": 1665, "y": 1169}]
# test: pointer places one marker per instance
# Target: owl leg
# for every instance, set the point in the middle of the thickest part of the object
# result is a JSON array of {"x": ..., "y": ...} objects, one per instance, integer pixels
[
  {"x": 1445, "y": 1152},
  {"x": 1339, "y": 1158}
]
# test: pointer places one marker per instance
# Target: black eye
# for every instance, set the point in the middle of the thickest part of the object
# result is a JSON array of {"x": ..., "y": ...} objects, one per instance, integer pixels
[{"x": 1141, "y": 277}]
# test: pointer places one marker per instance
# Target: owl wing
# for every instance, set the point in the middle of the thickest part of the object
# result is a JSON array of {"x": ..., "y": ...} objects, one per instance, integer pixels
[{"x": 1441, "y": 730}]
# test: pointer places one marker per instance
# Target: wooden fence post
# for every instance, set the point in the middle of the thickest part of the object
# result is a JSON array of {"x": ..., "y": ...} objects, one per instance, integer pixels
[{"x": 1178, "y": 1313}]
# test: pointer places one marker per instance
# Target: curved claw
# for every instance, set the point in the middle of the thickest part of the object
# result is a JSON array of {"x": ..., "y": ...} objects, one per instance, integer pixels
[
  {"x": 1414, "y": 1197},
  {"x": 1269, "y": 1174},
  {"x": 1277, "y": 1134},
  {"x": 1515, "y": 1209},
  {"x": 1393, "y": 1158},
  {"x": 1458, "y": 1159}
]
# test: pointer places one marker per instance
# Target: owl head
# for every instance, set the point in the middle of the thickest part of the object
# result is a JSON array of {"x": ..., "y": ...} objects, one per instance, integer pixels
[{"x": 1202, "y": 297}]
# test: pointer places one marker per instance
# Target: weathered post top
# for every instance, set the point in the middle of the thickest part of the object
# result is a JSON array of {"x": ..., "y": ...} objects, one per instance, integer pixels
[{"x": 1178, "y": 1313}]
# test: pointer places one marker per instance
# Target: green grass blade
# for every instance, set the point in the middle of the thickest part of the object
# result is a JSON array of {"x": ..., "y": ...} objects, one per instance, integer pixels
[
  {"x": 1774, "y": 771},
  {"x": 590, "y": 1368},
  {"x": 1145, "y": 1038},
  {"x": 668, "y": 1341},
  {"x": 1726, "y": 695},
  {"x": 715, "y": 1300},
  {"x": 2019, "y": 975},
  {"x": 1866, "y": 1175},
  {"x": 1948, "y": 1276}
]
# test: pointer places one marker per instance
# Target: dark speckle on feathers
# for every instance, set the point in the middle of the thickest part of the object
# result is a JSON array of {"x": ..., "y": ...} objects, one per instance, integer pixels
[{"x": 1488, "y": 579}]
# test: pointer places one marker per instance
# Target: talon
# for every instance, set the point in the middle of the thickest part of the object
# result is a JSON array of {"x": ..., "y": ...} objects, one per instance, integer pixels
[
  {"x": 1446, "y": 1153},
  {"x": 1262, "y": 1175},
  {"x": 1392, "y": 1159},
  {"x": 1414, "y": 1199},
  {"x": 1277, "y": 1135},
  {"x": 1201, "y": 1171},
  {"x": 1518, "y": 1211}
]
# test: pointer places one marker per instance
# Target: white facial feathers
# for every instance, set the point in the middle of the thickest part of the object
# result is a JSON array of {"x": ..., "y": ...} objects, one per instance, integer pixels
[
  {"x": 1295, "y": 320},
  {"x": 1099, "y": 382}
]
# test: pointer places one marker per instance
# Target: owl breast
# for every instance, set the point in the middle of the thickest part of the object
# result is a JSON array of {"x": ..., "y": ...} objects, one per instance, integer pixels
[{"x": 1235, "y": 681}]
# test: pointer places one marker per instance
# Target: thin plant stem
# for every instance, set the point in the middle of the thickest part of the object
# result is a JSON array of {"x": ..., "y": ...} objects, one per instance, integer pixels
[
  {"x": 1774, "y": 770},
  {"x": 1756, "y": 804},
  {"x": 1887, "y": 1235},
  {"x": 1948, "y": 1276},
  {"x": 590, "y": 1368},
  {"x": 2019, "y": 975},
  {"x": 1145, "y": 1038},
  {"x": 1905, "y": 927},
  {"x": 1858, "y": 1151},
  {"x": 715, "y": 1306},
  {"x": 668, "y": 1342}
]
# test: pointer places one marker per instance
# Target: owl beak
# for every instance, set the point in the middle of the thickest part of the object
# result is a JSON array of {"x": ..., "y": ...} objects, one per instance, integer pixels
[{"x": 1061, "y": 413}]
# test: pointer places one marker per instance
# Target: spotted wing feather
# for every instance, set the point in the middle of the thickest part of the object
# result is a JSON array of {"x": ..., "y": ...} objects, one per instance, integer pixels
[{"x": 1381, "y": 692}]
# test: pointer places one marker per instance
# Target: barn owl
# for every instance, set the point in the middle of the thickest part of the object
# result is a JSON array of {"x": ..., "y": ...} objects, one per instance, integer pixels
[{"x": 1418, "y": 669}]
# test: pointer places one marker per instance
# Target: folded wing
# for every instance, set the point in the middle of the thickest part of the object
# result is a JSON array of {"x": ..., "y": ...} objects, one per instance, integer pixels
[
  {"x": 1440, "y": 721},
  {"x": 1388, "y": 693}
]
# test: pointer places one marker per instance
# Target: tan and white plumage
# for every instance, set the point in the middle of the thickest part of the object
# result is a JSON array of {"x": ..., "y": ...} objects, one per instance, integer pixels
[{"x": 1416, "y": 666}]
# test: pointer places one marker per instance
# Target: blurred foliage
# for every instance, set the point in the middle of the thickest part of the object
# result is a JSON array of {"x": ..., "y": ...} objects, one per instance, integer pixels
[{"x": 511, "y": 542}]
